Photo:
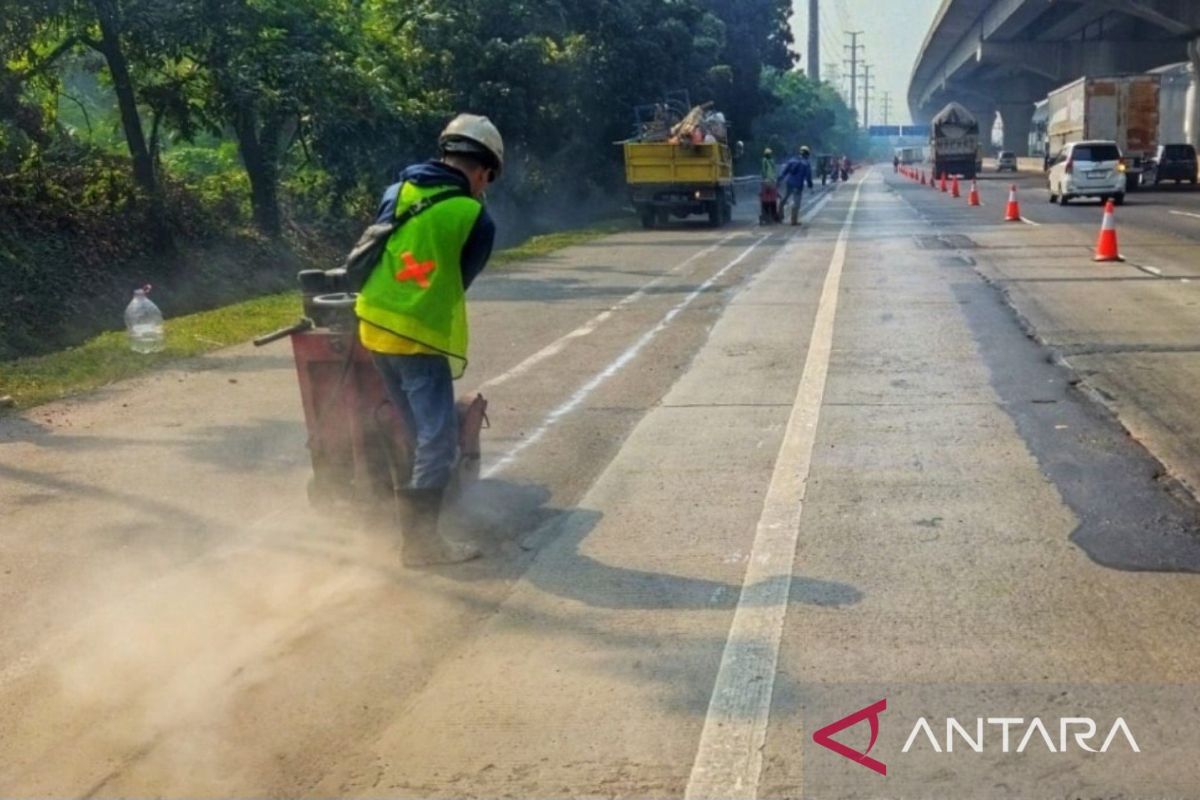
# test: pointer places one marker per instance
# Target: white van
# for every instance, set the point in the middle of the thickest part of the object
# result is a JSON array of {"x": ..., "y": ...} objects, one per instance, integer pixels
[{"x": 1087, "y": 169}]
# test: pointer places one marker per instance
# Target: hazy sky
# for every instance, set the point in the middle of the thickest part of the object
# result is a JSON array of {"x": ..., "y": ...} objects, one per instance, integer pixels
[{"x": 893, "y": 33}]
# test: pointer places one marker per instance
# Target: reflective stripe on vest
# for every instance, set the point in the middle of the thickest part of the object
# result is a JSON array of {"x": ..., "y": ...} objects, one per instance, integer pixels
[{"x": 416, "y": 290}]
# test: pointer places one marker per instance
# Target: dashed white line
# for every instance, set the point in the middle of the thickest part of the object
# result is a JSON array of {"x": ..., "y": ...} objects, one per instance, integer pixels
[
  {"x": 729, "y": 759},
  {"x": 614, "y": 367},
  {"x": 1028, "y": 221},
  {"x": 589, "y": 327},
  {"x": 1185, "y": 214}
]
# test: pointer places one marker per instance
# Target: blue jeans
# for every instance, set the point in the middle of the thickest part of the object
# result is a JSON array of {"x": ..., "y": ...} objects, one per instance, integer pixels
[
  {"x": 798, "y": 191},
  {"x": 421, "y": 389}
]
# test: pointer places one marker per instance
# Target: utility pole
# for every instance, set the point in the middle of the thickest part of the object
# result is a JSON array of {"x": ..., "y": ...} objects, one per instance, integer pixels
[
  {"x": 887, "y": 107},
  {"x": 833, "y": 75},
  {"x": 814, "y": 40},
  {"x": 867, "y": 87},
  {"x": 854, "y": 47}
]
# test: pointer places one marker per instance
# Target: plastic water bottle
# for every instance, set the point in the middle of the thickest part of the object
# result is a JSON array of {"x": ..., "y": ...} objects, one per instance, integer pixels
[{"x": 144, "y": 323}]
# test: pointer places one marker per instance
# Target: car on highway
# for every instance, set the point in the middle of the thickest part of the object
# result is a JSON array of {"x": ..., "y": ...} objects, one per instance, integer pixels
[
  {"x": 1174, "y": 162},
  {"x": 1006, "y": 162},
  {"x": 1087, "y": 169}
]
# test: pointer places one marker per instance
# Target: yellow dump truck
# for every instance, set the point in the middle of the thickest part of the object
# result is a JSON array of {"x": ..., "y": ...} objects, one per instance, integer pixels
[{"x": 678, "y": 180}]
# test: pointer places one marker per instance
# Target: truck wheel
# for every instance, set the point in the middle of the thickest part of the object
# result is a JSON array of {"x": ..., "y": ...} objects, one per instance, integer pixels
[
  {"x": 1119, "y": 198},
  {"x": 648, "y": 218},
  {"x": 662, "y": 217},
  {"x": 714, "y": 213}
]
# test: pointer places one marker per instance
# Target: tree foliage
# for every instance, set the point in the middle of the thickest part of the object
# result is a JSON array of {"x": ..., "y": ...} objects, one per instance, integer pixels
[{"x": 324, "y": 99}]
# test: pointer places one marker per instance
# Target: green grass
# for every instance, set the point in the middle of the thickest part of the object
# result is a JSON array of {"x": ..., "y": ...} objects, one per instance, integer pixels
[
  {"x": 548, "y": 243},
  {"x": 107, "y": 358}
]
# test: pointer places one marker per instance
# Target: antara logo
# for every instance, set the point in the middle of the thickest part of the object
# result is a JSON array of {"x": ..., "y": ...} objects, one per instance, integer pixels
[
  {"x": 1073, "y": 732},
  {"x": 824, "y": 737},
  {"x": 1010, "y": 726}
]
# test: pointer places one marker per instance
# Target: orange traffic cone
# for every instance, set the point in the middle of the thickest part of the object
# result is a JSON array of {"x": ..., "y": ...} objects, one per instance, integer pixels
[
  {"x": 954, "y": 188},
  {"x": 1106, "y": 245},
  {"x": 973, "y": 196},
  {"x": 943, "y": 186},
  {"x": 1013, "y": 212}
]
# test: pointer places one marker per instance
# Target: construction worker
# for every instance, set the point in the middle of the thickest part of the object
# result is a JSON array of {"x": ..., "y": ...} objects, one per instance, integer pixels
[
  {"x": 769, "y": 191},
  {"x": 797, "y": 172},
  {"x": 769, "y": 171},
  {"x": 413, "y": 318}
]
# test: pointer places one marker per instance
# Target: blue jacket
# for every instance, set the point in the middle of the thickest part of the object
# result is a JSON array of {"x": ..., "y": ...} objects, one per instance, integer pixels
[
  {"x": 478, "y": 247},
  {"x": 797, "y": 172}
]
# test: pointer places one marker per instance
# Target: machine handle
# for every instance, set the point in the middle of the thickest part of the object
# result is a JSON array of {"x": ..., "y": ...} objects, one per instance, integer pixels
[
  {"x": 303, "y": 325},
  {"x": 339, "y": 300}
]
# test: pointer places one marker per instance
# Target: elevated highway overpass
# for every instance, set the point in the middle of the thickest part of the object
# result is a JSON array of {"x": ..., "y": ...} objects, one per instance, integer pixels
[{"x": 1005, "y": 55}]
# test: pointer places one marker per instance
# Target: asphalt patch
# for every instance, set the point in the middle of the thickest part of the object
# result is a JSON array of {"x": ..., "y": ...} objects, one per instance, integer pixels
[{"x": 1129, "y": 519}]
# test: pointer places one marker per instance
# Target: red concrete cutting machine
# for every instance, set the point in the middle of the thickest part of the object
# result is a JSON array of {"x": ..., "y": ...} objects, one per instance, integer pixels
[{"x": 361, "y": 449}]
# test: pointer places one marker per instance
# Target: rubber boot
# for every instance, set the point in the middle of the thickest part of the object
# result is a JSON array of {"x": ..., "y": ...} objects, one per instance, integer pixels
[
  {"x": 796, "y": 213},
  {"x": 424, "y": 546}
]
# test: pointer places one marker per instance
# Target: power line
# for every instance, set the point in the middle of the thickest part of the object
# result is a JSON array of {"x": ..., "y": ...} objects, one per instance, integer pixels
[
  {"x": 854, "y": 47},
  {"x": 843, "y": 17},
  {"x": 868, "y": 85}
]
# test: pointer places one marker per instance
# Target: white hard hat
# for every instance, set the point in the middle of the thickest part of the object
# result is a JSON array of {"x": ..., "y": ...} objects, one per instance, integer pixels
[{"x": 469, "y": 133}]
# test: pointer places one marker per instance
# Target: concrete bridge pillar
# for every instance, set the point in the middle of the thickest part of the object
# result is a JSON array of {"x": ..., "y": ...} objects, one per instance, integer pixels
[
  {"x": 986, "y": 114},
  {"x": 1018, "y": 123}
]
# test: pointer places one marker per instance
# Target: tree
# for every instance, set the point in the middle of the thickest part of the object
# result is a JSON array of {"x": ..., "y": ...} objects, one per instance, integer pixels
[
  {"x": 758, "y": 36},
  {"x": 805, "y": 113}
]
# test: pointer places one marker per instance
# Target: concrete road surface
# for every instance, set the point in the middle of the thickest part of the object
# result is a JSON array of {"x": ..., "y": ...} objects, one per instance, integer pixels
[{"x": 893, "y": 504}]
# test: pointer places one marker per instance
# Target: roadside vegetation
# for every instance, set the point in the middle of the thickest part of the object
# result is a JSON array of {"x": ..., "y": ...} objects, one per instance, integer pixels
[
  {"x": 106, "y": 358},
  {"x": 214, "y": 147}
]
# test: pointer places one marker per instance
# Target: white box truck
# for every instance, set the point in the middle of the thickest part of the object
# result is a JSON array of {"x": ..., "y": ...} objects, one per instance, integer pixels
[{"x": 1119, "y": 108}]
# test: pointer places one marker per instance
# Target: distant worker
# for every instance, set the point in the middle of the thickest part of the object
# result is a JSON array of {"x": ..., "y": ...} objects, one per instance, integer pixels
[
  {"x": 845, "y": 168},
  {"x": 413, "y": 316},
  {"x": 769, "y": 171},
  {"x": 896, "y": 163},
  {"x": 797, "y": 173},
  {"x": 823, "y": 167},
  {"x": 768, "y": 195}
]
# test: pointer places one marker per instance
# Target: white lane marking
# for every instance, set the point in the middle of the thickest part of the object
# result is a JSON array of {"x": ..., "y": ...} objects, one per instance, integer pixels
[
  {"x": 589, "y": 327},
  {"x": 1185, "y": 214},
  {"x": 1152, "y": 270},
  {"x": 614, "y": 367},
  {"x": 816, "y": 209},
  {"x": 1031, "y": 222},
  {"x": 729, "y": 759}
]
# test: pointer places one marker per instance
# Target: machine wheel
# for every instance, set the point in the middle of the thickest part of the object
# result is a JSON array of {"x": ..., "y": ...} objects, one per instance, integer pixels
[
  {"x": 1119, "y": 198},
  {"x": 662, "y": 217},
  {"x": 648, "y": 218},
  {"x": 714, "y": 213}
]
